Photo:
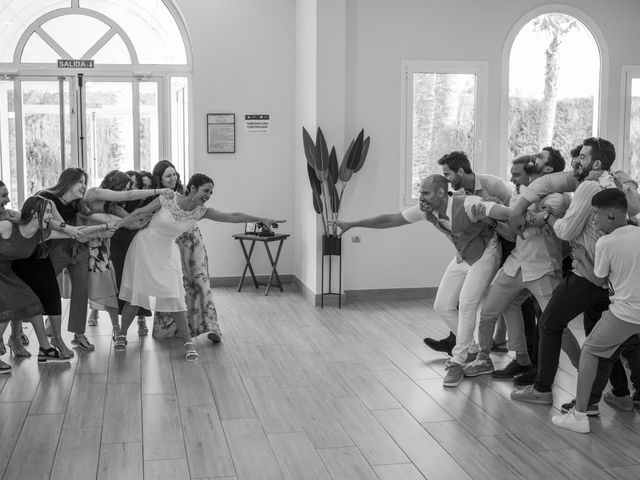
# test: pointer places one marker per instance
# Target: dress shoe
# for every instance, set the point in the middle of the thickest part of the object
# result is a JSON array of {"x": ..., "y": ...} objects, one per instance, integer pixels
[{"x": 445, "y": 345}]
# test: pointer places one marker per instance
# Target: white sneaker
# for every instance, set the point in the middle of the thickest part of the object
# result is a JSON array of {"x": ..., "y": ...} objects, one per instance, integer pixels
[{"x": 572, "y": 420}]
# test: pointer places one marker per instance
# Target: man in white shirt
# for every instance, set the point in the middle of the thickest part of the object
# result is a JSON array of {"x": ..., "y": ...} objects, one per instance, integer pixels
[
  {"x": 456, "y": 167},
  {"x": 468, "y": 275},
  {"x": 617, "y": 260}
]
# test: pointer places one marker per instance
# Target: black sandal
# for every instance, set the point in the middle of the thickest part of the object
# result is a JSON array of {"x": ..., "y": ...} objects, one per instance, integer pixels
[{"x": 50, "y": 355}]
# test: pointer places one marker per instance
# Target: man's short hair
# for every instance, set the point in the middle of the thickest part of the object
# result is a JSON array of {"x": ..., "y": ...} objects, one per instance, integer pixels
[
  {"x": 556, "y": 160},
  {"x": 602, "y": 150},
  {"x": 522, "y": 160},
  {"x": 437, "y": 181},
  {"x": 575, "y": 152},
  {"x": 613, "y": 198},
  {"x": 456, "y": 160}
]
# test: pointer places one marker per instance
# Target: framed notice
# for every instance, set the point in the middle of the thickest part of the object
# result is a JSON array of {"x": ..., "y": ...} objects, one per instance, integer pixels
[{"x": 221, "y": 133}]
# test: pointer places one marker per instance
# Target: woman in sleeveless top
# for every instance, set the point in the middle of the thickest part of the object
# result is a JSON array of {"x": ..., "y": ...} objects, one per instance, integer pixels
[
  {"x": 18, "y": 301},
  {"x": 18, "y": 338}
]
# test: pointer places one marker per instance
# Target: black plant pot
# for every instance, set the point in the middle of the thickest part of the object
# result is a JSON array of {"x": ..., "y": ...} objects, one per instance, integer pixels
[{"x": 331, "y": 245}]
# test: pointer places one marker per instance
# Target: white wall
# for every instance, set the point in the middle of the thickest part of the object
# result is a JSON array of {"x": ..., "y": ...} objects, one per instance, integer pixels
[
  {"x": 283, "y": 57},
  {"x": 244, "y": 55}
]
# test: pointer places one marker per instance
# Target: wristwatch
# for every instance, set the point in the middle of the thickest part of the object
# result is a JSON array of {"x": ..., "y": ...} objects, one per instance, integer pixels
[{"x": 62, "y": 225}]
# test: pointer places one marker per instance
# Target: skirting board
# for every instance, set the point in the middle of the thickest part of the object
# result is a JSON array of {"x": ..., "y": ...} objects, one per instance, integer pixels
[
  {"x": 390, "y": 294},
  {"x": 348, "y": 296},
  {"x": 233, "y": 281}
]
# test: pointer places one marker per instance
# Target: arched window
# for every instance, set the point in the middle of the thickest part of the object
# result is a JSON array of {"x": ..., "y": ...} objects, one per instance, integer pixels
[
  {"x": 554, "y": 75},
  {"x": 101, "y": 84}
]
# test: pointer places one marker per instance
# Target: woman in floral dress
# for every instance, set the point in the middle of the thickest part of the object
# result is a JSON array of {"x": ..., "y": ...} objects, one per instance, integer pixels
[{"x": 202, "y": 316}]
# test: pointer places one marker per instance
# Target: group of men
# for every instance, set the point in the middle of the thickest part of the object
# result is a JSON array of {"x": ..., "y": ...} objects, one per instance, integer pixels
[{"x": 483, "y": 219}]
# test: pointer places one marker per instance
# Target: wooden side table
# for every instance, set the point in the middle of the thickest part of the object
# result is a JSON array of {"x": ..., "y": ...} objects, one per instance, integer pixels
[{"x": 278, "y": 237}]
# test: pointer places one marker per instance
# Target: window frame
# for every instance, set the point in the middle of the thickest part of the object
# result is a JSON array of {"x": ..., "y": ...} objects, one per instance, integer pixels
[
  {"x": 600, "y": 104},
  {"x": 628, "y": 74},
  {"x": 409, "y": 67}
]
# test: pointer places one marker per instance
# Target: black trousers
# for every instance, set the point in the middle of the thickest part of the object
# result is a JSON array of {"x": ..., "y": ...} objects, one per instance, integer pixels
[{"x": 573, "y": 296}]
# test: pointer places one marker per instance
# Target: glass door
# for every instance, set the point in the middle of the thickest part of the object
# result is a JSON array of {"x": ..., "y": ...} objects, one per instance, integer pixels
[
  {"x": 120, "y": 125},
  {"x": 98, "y": 123},
  {"x": 35, "y": 134},
  {"x": 45, "y": 126}
]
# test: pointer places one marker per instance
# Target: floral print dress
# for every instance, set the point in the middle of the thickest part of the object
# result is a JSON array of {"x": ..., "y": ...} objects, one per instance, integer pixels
[{"x": 201, "y": 311}]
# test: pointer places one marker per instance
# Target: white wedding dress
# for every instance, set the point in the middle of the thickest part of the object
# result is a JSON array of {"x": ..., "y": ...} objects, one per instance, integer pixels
[{"x": 152, "y": 274}]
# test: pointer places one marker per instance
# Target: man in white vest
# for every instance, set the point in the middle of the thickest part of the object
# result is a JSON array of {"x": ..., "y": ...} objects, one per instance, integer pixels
[{"x": 468, "y": 275}]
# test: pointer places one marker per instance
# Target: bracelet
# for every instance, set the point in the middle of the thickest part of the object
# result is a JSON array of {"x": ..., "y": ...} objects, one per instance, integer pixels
[{"x": 493, "y": 224}]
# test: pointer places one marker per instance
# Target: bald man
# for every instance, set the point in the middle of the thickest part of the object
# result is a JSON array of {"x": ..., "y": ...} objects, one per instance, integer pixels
[{"x": 469, "y": 274}]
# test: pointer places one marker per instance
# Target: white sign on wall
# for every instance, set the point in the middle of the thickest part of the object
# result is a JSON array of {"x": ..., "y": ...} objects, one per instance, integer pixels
[{"x": 257, "y": 123}]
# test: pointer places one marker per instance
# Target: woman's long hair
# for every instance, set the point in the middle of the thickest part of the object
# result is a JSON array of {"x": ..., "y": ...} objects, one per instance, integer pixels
[
  {"x": 158, "y": 171},
  {"x": 68, "y": 178},
  {"x": 145, "y": 174},
  {"x": 138, "y": 176},
  {"x": 37, "y": 204},
  {"x": 117, "y": 181}
]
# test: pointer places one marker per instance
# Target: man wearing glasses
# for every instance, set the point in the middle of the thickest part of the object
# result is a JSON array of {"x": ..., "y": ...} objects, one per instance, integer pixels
[{"x": 576, "y": 294}]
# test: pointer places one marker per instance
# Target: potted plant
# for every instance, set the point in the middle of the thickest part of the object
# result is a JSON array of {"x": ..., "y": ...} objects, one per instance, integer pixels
[{"x": 328, "y": 181}]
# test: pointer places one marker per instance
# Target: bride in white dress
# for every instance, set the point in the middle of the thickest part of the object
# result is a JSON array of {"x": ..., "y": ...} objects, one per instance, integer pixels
[{"x": 152, "y": 275}]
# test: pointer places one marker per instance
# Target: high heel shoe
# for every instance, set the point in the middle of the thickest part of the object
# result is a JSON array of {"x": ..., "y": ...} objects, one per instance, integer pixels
[
  {"x": 65, "y": 352},
  {"x": 17, "y": 348},
  {"x": 24, "y": 338},
  {"x": 4, "y": 368}
]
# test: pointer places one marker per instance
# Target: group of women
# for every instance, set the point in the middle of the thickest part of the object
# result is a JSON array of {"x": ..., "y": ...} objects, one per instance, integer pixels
[{"x": 127, "y": 249}]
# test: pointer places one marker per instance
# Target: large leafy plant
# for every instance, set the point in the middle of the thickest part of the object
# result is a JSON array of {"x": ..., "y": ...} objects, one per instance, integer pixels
[{"x": 328, "y": 181}]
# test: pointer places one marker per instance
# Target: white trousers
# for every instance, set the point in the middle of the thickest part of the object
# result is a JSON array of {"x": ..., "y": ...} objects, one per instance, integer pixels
[{"x": 459, "y": 294}]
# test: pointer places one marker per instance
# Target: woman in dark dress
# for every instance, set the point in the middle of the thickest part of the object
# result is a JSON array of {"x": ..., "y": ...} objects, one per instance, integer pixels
[
  {"x": 18, "y": 301},
  {"x": 70, "y": 253},
  {"x": 17, "y": 337}
]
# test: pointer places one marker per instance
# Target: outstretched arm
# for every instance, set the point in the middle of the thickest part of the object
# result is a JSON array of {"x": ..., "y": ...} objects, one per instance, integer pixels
[
  {"x": 123, "y": 196},
  {"x": 386, "y": 220},
  {"x": 237, "y": 217},
  {"x": 137, "y": 215}
]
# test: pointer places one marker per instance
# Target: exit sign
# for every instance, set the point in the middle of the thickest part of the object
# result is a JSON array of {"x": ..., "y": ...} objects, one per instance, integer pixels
[{"x": 75, "y": 63}]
